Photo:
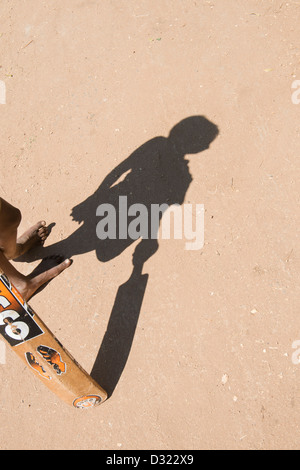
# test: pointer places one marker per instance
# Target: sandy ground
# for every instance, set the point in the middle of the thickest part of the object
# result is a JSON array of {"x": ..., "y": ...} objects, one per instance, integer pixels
[{"x": 199, "y": 354}]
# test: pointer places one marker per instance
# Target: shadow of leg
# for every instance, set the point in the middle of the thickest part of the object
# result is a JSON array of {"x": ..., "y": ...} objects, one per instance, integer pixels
[{"x": 115, "y": 348}]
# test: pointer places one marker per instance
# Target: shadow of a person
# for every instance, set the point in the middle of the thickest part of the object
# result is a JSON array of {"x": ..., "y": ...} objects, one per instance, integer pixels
[{"x": 156, "y": 173}]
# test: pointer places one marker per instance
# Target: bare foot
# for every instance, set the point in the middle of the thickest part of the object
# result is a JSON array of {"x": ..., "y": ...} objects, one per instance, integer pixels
[
  {"x": 41, "y": 276},
  {"x": 36, "y": 235}
]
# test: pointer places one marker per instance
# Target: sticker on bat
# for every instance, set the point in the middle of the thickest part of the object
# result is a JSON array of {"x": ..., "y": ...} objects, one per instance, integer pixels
[
  {"x": 88, "y": 401},
  {"x": 36, "y": 366},
  {"x": 53, "y": 358},
  {"x": 16, "y": 320}
]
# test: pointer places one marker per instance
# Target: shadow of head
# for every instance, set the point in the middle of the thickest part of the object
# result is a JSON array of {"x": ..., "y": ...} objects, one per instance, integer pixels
[
  {"x": 193, "y": 134},
  {"x": 190, "y": 136}
]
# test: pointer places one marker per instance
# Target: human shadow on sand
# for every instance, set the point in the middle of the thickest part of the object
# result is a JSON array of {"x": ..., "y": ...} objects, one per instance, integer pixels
[{"x": 155, "y": 173}]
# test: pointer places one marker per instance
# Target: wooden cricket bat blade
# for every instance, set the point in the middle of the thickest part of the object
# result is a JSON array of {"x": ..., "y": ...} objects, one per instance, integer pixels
[{"x": 42, "y": 353}]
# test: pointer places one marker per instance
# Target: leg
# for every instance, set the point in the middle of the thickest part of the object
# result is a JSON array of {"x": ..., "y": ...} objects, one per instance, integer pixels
[
  {"x": 36, "y": 235},
  {"x": 26, "y": 285},
  {"x": 10, "y": 218}
]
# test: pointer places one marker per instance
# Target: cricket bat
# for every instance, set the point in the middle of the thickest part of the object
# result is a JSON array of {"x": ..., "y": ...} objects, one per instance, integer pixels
[{"x": 39, "y": 349}]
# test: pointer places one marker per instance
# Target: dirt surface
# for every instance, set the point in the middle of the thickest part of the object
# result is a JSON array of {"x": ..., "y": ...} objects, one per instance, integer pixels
[{"x": 198, "y": 355}]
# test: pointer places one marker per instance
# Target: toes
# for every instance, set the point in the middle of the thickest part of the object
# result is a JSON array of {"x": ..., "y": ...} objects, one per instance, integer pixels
[
  {"x": 68, "y": 262},
  {"x": 43, "y": 237},
  {"x": 43, "y": 278},
  {"x": 43, "y": 232},
  {"x": 63, "y": 265},
  {"x": 36, "y": 235},
  {"x": 38, "y": 281},
  {"x": 53, "y": 272},
  {"x": 39, "y": 225}
]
